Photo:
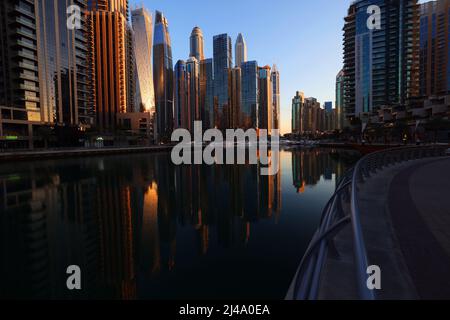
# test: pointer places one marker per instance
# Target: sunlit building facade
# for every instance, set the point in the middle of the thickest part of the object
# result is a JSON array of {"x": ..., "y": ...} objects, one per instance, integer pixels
[
  {"x": 249, "y": 95},
  {"x": 181, "y": 96},
  {"x": 193, "y": 70},
  {"x": 276, "y": 100},
  {"x": 297, "y": 113},
  {"x": 223, "y": 61},
  {"x": 339, "y": 104},
  {"x": 265, "y": 115},
  {"x": 163, "y": 77},
  {"x": 235, "y": 98},
  {"x": 196, "y": 43},
  {"x": 240, "y": 50}
]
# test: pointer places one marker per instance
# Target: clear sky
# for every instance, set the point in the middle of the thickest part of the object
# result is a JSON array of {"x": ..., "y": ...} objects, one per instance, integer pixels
[{"x": 302, "y": 37}]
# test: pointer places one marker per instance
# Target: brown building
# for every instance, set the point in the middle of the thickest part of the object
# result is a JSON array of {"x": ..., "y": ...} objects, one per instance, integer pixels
[
  {"x": 265, "y": 98},
  {"x": 235, "y": 96},
  {"x": 434, "y": 48},
  {"x": 110, "y": 51}
]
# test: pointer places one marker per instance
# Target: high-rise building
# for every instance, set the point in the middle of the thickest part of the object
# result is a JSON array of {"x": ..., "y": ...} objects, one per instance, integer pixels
[
  {"x": 163, "y": 78},
  {"x": 110, "y": 54},
  {"x": 340, "y": 115},
  {"x": 297, "y": 113},
  {"x": 328, "y": 106},
  {"x": 130, "y": 70},
  {"x": 241, "y": 50},
  {"x": 276, "y": 97},
  {"x": 143, "y": 46},
  {"x": 435, "y": 48},
  {"x": 265, "y": 99},
  {"x": 380, "y": 65},
  {"x": 235, "y": 98},
  {"x": 196, "y": 44},
  {"x": 193, "y": 69},
  {"x": 181, "y": 96},
  {"x": 222, "y": 64},
  {"x": 249, "y": 95},
  {"x": 207, "y": 93}
]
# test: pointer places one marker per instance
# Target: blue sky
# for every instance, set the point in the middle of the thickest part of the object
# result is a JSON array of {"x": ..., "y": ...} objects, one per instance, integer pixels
[{"x": 302, "y": 37}]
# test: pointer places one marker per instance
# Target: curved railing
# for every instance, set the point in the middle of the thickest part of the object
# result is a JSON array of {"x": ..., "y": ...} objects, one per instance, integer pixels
[{"x": 334, "y": 218}]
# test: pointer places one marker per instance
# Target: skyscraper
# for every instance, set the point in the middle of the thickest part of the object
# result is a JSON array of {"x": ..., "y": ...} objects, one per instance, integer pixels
[
  {"x": 249, "y": 95},
  {"x": 276, "y": 97},
  {"x": 181, "y": 96},
  {"x": 265, "y": 99},
  {"x": 196, "y": 44},
  {"x": 380, "y": 65},
  {"x": 235, "y": 98},
  {"x": 222, "y": 63},
  {"x": 297, "y": 113},
  {"x": 109, "y": 51},
  {"x": 143, "y": 46},
  {"x": 434, "y": 48},
  {"x": 163, "y": 78},
  {"x": 241, "y": 50},
  {"x": 340, "y": 100},
  {"x": 207, "y": 93},
  {"x": 193, "y": 69}
]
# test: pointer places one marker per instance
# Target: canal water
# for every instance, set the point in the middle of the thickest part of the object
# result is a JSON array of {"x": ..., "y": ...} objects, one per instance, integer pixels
[{"x": 141, "y": 228}]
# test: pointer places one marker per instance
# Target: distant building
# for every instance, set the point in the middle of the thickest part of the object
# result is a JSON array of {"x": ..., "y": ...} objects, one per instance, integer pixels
[
  {"x": 434, "y": 48},
  {"x": 249, "y": 95},
  {"x": 196, "y": 44},
  {"x": 276, "y": 101},
  {"x": 297, "y": 113},
  {"x": 223, "y": 58},
  {"x": 235, "y": 98},
  {"x": 380, "y": 65},
  {"x": 328, "y": 106},
  {"x": 207, "y": 93},
  {"x": 265, "y": 99},
  {"x": 241, "y": 50},
  {"x": 163, "y": 78}
]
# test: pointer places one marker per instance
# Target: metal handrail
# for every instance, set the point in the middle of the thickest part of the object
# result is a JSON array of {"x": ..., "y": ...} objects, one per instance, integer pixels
[{"x": 307, "y": 281}]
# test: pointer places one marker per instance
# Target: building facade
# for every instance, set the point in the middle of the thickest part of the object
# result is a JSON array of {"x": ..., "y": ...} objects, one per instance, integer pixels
[
  {"x": 193, "y": 71},
  {"x": 241, "y": 50},
  {"x": 197, "y": 44},
  {"x": 380, "y": 65},
  {"x": 276, "y": 98},
  {"x": 235, "y": 98},
  {"x": 163, "y": 78},
  {"x": 207, "y": 93},
  {"x": 181, "y": 96},
  {"x": 339, "y": 103},
  {"x": 435, "y": 48},
  {"x": 249, "y": 95},
  {"x": 265, "y": 114},
  {"x": 297, "y": 113},
  {"x": 223, "y": 58}
]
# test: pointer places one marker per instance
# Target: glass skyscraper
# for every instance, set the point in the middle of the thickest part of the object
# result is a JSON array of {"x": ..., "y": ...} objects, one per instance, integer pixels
[
  {"x": 276, "y": 101},
  {"x": 265, "y": 99},
  {"x": 340, "y": 100},
  {"x": 193, "y": 69},
  {"x": 181, "y": 96},
  {"x": 241, "y": 50},
  {"x": 163, "y": 78},
  {"x": 222, "y": 64},
  {"x": 249, "y": 94},
  {"x": 380, "y": 65},
  {"x": 143, "y": 46},
  {"x": 196, "y": 44},
  {"x": 207, "y": 93}
]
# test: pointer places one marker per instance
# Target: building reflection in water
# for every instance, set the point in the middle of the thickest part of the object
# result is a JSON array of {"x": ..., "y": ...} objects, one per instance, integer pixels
[{"x": 118, "y": 218}]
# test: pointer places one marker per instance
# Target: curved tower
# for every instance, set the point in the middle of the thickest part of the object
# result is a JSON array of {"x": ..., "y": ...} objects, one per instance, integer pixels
[
  {"x": 163, "y": 78},
  {"x": 241, "y": 50},
  {"x": 196, "y": 44}
]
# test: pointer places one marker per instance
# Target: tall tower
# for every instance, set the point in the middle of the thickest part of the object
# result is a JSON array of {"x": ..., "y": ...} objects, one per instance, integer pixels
[
  {"x": 340, "y": 100},
  {"x": 181, "y": 96},
  {"x": 196, "y": 44},
  {"x": 276, "y": 102},
  {"x": 249, "y": 95},
  {"x": 207, "y": 93},
  {"x": 381, "y": 65},
  {"x": 163, "y": 78},
  {"x": 143, "y": 46},
  {"x": 265, "y": 99},
  {"x": 241, "y": 50},
  {"x": 223, "y": 60},
  {"x": 193, "y": 69},
  {"x": 109, "y": 53},
  {"x": 235, "y": 98}
]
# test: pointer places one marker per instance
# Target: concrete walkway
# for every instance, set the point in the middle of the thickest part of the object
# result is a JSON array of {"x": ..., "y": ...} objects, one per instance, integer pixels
[{"x": 419, "y": 207}]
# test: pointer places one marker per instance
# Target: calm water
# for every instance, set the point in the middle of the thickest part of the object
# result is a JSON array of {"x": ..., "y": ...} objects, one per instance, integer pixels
[{"x": 141, "y": 228}]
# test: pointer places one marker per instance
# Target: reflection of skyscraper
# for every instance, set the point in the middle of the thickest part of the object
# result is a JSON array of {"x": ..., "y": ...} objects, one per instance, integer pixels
[
  {"x": 163, "y": 77},
  {"x": 276, "y": 102},
  {"x": 249, "y": 95},
  {"x": 241, "y": 50},
  {"x": 196, "y": 44},
  {"x": 222, "y": 64},
  {"x": 207, "y": 93},
  {"x": 143, "y": 46},
  {"x": 265, "y": 99}
]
